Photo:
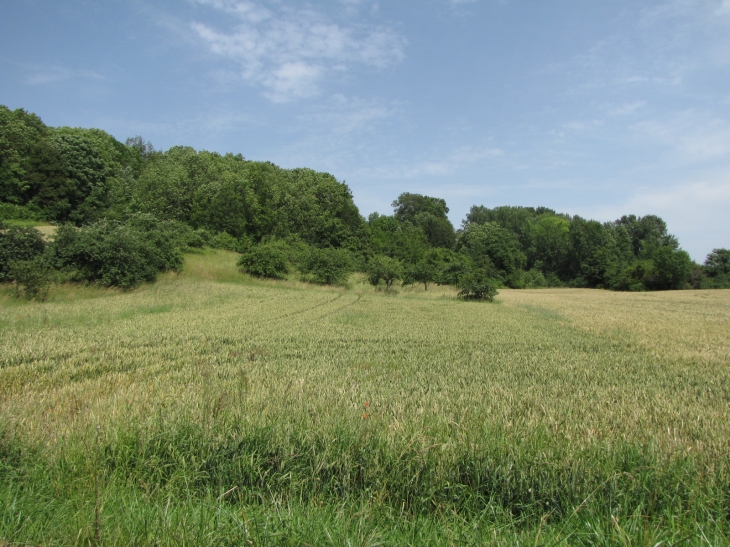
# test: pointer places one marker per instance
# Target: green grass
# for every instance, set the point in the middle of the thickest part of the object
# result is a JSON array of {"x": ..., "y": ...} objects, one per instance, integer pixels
[{"x": 212, "y": 408}]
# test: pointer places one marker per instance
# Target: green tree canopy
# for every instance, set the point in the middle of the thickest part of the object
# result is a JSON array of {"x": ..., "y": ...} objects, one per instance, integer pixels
[
  {"x": 490, "y": 243},
  {"x": 20, "y": 132},
  {"x": 717, "y": 262}
]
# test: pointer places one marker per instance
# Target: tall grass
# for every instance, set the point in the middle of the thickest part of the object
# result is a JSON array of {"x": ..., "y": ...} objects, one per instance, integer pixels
[{"x": 211, "y": 408}]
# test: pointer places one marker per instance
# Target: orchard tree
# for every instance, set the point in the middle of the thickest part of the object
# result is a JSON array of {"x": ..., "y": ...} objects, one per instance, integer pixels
[
  {"x": 477, "y": 284},
  {"x": 265, "y": 260},
  {"x": 384, "y": 268},
  {"x": 328, "y": 266}
]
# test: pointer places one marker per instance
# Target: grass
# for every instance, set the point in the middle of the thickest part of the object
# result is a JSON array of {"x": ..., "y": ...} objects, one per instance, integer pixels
[{"x": 212, "y": 408}]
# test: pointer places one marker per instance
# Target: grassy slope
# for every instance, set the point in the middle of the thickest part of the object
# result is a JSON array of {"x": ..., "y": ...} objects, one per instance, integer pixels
[{"x": 212, "y": 408}]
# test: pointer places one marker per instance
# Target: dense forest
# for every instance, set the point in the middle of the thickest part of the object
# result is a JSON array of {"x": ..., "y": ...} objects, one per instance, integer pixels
[{"x": 126, "y": 212}]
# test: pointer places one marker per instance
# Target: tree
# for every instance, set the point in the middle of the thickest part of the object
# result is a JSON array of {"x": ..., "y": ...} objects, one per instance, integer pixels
[
  {"x": 427, "y": 213},
  {"x": 144, "y": 148},
  {"x": 408, "y": 206},
  {"x": 671, "y": 268},
  {"x": 117, "y": 254},
  {"x": 72, "y": 180},
  {"x": 327, "y": 266},
  {"x": 647, "y": 233},
  {"x": 20, "y": 132},
  {"x": 32, "y": 278},
  {"x": 584, "y": 263},
  {"x": 717, "y": 263},
  {"x": 321, "y": 211},
  {"x": 422, "y": 271},
  {"x": 167, "y": 185},
  {"x": 491, "y": 246},
  {"x": 439, "y": 231},
  {"x": 450, "y": 266},
  {"x": 552, "y": 244},
  {"x": 386, "y": 269},
  {"x": 265, "y": 260},
  {"x": 224, "y": 205},
  {"x": 401, "y": 240},
  {"x": 521, "y": 221},
  {"x": 18, "y": 245},
  {"x": 477, "y": 284}
]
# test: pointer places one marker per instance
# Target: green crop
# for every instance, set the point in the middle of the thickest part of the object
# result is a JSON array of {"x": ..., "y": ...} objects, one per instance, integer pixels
[{"x": 211, "y": 408}]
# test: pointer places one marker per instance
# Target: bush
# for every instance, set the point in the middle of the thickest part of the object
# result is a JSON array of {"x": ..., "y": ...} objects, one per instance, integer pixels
[
  {"x": 168, "y": 238},
  {"x": 451, "y": 268},
  {"x": 198, "y": 239},
  {"x": 116, "y": 254},
  {"x": 265, "y": 260},
  {"x": 225, "y": 241},
  {"x": 32, "y": 278},
  {"x": 384, "y": 268},
  {"x": 327, "y": 266},
  {"x": 10, "y": 211},
  {"x": 18, "y": 244},
  {"x": 532, "y": 279},
  {"x": 476, "y": 284}
]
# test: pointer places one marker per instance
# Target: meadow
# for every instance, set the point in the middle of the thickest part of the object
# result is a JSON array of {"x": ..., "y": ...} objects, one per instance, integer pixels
[{"x": 211, "y": 408}]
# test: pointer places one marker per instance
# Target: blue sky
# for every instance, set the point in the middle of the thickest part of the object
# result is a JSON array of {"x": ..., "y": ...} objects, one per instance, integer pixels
[{"x": 591, "y": 108}]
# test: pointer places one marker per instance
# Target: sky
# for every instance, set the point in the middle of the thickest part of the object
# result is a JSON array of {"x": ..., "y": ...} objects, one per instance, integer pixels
[{"x": 597, "y": 109}]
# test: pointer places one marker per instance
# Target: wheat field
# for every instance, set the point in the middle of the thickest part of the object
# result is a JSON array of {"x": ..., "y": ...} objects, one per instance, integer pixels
[{"x": 210, "y": 408}]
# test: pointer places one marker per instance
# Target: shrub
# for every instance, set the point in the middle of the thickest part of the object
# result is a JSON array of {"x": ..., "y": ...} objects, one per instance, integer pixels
[
  {"x": 327, "y": 266},
  {"x": 451, "y": 268},
  {"x": 265, "y": 260},
  {"x": 18, "y": 244},
  {"x": 10, "y": 211},
  {"x": 32, "y": 278},
  {"x": 476, "y": 284},
  {"x": 198, "y": 239},
  {"x": 116, "y": 254},
  {"x": 225, "y": 241},
  {"x": 167, "y": 237},
  {"x": 384, "y": 268}
]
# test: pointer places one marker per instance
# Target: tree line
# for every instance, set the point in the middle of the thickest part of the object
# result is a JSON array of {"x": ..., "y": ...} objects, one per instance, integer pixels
[{"x": 127, "y": 212}]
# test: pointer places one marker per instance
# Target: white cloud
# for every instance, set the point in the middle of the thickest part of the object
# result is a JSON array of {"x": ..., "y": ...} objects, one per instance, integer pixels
[{"x": 291, "y": 52}]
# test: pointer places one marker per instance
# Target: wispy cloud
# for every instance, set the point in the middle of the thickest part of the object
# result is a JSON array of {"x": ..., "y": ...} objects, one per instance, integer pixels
[
  {"x": 445, "y": 164},
  {"x": 43, "y": 75},
  {"x": 690, "y": 135},
  {"x": 626, "y": 108},
  {"x": 290, "y": 52},
  {"x": 342, "y": 115},
  {"x": 723, "y": 8}
]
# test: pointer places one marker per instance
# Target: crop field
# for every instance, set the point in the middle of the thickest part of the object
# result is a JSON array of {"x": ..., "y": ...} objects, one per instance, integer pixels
[{"x": 213, "y": 409}]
